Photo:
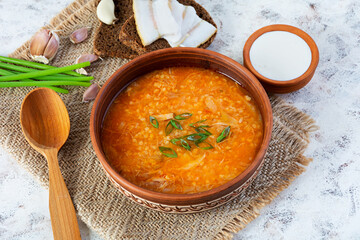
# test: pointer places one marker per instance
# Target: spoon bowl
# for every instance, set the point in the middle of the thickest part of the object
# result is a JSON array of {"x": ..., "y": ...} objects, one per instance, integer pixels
[
  {"x": 46, "y": 126},
  {"x": 45, "y": 120}
]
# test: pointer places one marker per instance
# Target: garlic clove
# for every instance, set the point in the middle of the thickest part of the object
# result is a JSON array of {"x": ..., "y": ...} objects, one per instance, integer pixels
[
  {"x": 44, "y": 45},
  {"x": 91, "y": 92},
  {"x": 52, "y": 47},
  {"x": 87, "y": 58},
  {"x": 105, "y": 11},
  {"x": 81, "y": 71},
  {"x": 39, "y": 41},
  {"x": 40, "y": 58},
  {"x": 79, "y": 35}
]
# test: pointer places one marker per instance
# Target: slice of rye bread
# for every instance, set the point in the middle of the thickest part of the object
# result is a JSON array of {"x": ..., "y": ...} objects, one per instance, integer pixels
[
  {"x": 129, "y": 36},
  {"x": 106, "y": 41}
]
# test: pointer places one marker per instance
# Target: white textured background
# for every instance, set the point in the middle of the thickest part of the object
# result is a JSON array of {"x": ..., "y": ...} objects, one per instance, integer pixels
[{"x": 324, "y": 202}]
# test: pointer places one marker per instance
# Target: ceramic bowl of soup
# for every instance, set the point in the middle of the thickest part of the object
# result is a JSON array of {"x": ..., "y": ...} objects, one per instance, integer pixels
[{"x": 181, "y": 130}]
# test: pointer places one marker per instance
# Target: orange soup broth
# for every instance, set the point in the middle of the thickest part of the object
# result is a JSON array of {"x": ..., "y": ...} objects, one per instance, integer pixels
[{"x": 131, "y": 143}]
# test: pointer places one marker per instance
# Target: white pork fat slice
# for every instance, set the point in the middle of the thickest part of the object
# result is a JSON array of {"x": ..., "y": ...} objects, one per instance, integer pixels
[
  {"x": 178, "y": 12},
  {"x": 190, "y": 20},
  {"x": 145, "y": 22},
  {"x": 168, "y": 19},
  {"x": 199, "y": 34},
  {"x": 165, "y": 21}
]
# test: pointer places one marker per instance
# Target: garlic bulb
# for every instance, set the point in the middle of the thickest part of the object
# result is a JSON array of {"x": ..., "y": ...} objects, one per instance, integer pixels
[
  {"x": 85, "y": 58},
  {"x": 91, "y": 92},
  {"x": 79, "y": 35},
  {"x": 105, "y": 11},
  {"x": 44, "y": 46}
]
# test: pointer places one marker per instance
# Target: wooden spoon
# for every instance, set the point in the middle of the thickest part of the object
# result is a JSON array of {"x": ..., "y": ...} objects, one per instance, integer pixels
[{"x": 46, "y": 126}]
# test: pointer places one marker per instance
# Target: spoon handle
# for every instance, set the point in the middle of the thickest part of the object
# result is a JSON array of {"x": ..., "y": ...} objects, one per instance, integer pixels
[{"x": 62, "y": 212}]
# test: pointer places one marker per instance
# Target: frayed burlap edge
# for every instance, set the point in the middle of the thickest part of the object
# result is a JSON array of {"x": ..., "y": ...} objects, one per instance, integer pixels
[
  {"x": 252, "y": 211},
  {"x": 70, "y": 16},
  {"x": 65, "y": 20}
]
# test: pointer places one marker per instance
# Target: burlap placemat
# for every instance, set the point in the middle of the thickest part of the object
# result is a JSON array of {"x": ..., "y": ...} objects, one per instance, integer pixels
[{"x": 97, "y": 202}]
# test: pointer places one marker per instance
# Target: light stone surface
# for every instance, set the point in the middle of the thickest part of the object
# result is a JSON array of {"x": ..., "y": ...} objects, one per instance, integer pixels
[{"x": 324, "y": 202}]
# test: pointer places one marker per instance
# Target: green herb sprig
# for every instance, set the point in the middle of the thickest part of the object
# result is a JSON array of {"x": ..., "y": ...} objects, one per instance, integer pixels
[
  {"x": 168, "y": 152},
  {"x": 183, "y": 116},
  {"x": 169, "y": 128},
  {"x": 206, "y": 147},
  {"x": 198, "y": 139},
  {"x": 203, "y": 130},
  {"x": 196, "y": 123},
  {"x": 35, "y": 65},
  {"x": 172, "y": 124},
  {"x": 154, "y": 122},
  {"x": 224, "y": 134},
  {"x": 22, "y": 73},
  {"x": 40, "y": 73},
  {"x": 56, "y": 89},
  {"x": 176, "y": 124},
  {"x": 183, "y": 143}
]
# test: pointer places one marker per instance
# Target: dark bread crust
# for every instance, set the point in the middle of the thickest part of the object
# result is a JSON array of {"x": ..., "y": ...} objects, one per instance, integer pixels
[
  {"x": 112, "y": 41},
  {"x": 106, "y": 41},
  {"x": 129, "y": 36}
]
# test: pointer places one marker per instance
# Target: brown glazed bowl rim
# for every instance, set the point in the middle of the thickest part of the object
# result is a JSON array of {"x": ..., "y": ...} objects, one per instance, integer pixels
[
  {"x": 182, "y": 199},
  {"x": 287, "y": 28}
]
